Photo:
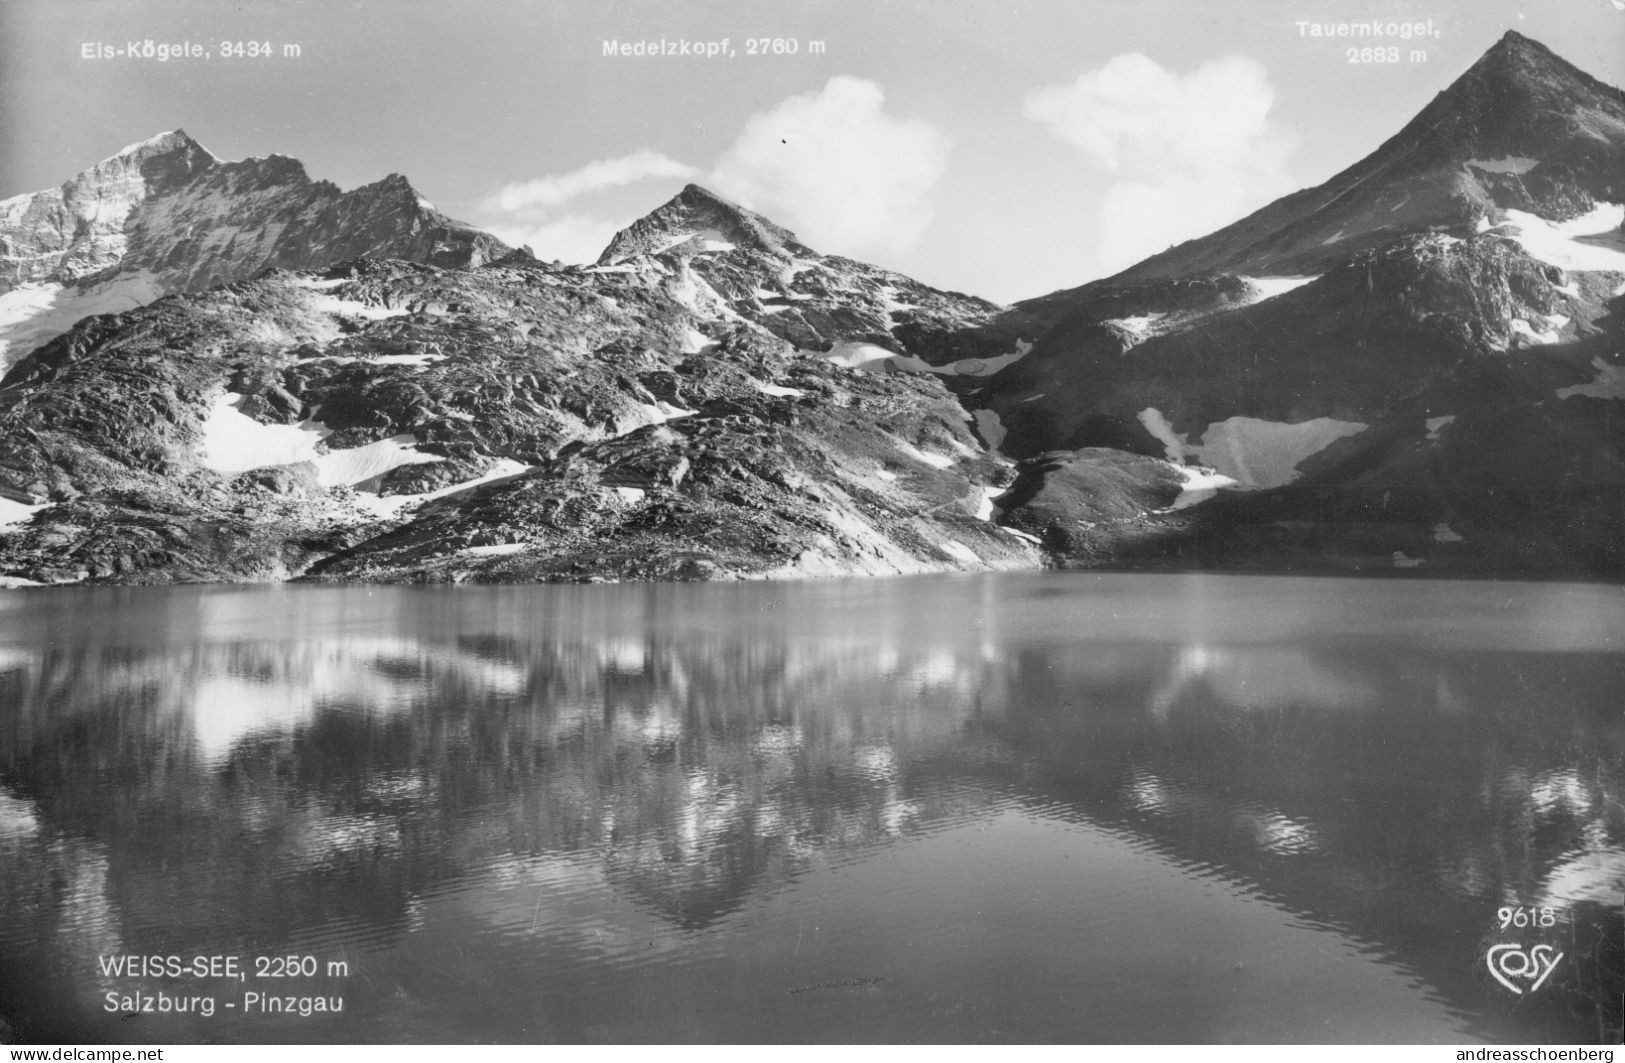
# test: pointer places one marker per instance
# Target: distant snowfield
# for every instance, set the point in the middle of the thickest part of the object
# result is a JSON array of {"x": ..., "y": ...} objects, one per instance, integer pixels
[
  {"x": 35, "y": 314},
  {"x": 234, "y": 442},
  {"x": 1590, "y": 242},
  {"x": 1251, "y": 452}
]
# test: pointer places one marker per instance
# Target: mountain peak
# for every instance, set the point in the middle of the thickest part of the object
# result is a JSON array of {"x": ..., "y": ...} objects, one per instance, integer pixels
[
  {"x": 1521, "y": 128},
  {"x": 697, "y": 219},
  {"x": 1520, "y": 98},
  {"x": 175, "y": 140}
]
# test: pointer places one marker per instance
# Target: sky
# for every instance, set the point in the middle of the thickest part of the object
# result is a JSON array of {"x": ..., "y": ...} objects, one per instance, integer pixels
[{"x": 1005, "y": 148}]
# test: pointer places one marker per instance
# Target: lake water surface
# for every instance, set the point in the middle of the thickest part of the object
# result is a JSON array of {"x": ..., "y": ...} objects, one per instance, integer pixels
[{"x": 1037, "y": 807}]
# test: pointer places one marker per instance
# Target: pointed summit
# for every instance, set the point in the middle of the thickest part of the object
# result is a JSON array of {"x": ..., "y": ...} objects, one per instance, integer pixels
[
  {"x": 174, "y": 140},
  {"x": 1521, "y": 128},
  {"x": 1520, "y": 99},
  {"x": 697, "y": 220}
]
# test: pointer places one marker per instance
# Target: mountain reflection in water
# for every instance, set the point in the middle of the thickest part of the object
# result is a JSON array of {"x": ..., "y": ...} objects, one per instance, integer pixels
[{"x": 1034, "y": 807}]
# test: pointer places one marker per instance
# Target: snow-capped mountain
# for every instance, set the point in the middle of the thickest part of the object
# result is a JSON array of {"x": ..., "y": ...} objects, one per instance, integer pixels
[
  {"x": 165, "y": 216},
  {"x": 1415, "y": 366}
]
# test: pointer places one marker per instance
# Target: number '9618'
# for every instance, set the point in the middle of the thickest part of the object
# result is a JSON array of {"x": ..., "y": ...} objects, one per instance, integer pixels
[{"x": 1526, "y": 917}]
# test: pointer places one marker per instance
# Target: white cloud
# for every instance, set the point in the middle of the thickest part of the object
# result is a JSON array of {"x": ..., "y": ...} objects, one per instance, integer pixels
[
  {"x": 1189, "y": 153},
  {"x": 572, "y": 238},
  {"x": 836, "y": 168},
  {"x": 549, "y": 193},
  {"x": 545, "y": 212},
  {"x": 832, "y": 165}
]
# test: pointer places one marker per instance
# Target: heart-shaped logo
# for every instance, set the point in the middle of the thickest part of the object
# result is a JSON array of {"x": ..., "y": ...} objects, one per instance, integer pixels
[{"x": 1510, "y": 964}]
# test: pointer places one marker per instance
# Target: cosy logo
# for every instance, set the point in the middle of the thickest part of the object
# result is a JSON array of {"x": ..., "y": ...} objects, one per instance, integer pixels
[{"x": 1512, "y": 963}]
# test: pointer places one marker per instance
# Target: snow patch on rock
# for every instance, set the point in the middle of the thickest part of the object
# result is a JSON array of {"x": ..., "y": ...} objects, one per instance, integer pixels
[
  {"x": 1140, "y": 327},
  {"x": 694, "y": 341},
  {"x": 1200, "y": 485},
  {"x": 864, "y": 357},
  {"x": 985, "y": 509},
  {"x": 494, "y": 550},
  {"x": 1590, "y": 242},
  {"x": 778, "y": 391},
  {"x": 35, "y": 314},
  {"x": 15, "y": 514},
  {"x": 1163, "y": 432},
  {"x": 936, "y": 461},
  {"x": 332, "y": 304},
  {"x": 356, "y": 465},
  {"x": 389, "y": 507},
  {"x": 415, "y": 360},
  {"x": 234, "y": 442},
  {"x": 872, "y": 358},
  {"x": 1554, "y": 323},
  {"x": 1262, "y": 288},
  {"x": 661, "y": 412}
]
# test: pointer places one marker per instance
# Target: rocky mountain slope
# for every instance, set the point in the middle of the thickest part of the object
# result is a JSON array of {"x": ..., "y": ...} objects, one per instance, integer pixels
[
  {"x": 387, "y": 420},
  {"x": 166, "y": 216},
  {"x": 1414, "y": 367}
]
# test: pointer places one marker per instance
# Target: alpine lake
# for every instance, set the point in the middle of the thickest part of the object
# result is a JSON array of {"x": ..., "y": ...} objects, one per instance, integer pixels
[{"x": 1038, "y": 807}]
